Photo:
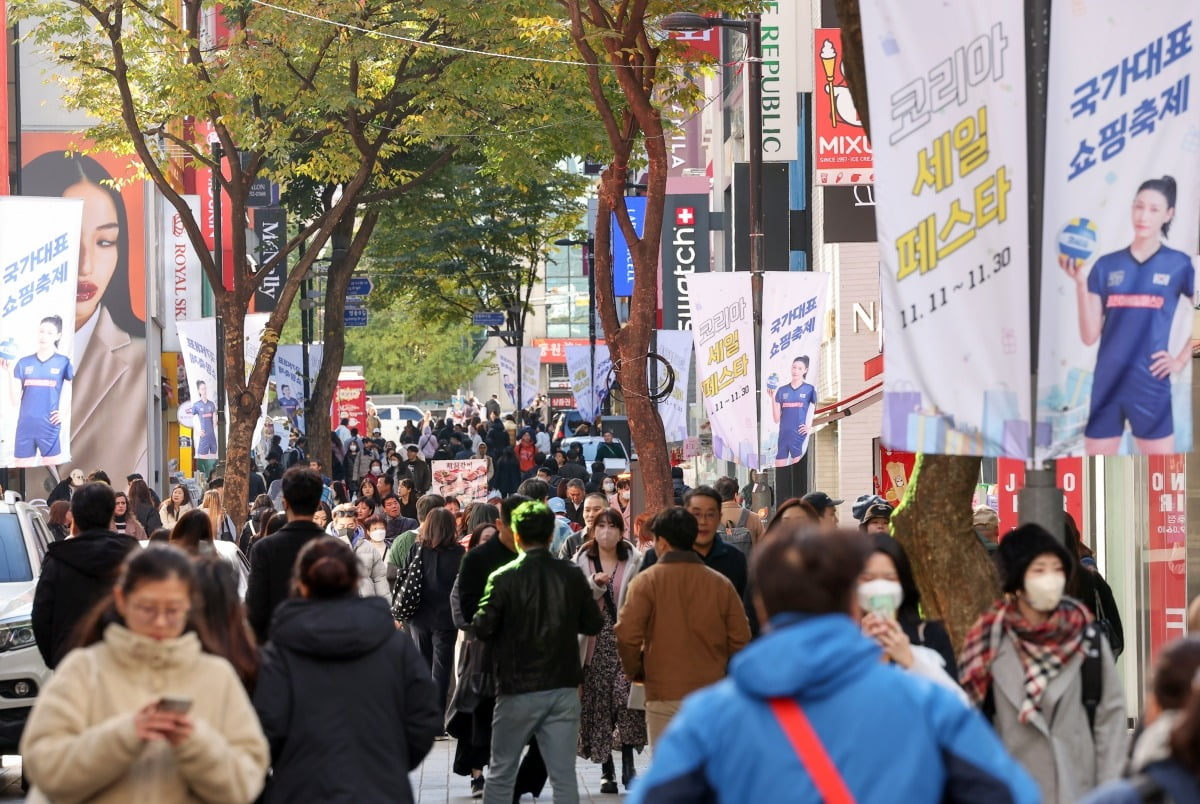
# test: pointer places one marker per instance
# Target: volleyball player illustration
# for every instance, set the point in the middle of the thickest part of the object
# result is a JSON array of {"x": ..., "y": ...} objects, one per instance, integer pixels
[
  {"x": 204, "y": 414},
  {"x": 289, "y": 404},
  {"x": 37, "y": 385},
  {"x": 1128, "y": 302},
  {"x": 792, "y": 408}
]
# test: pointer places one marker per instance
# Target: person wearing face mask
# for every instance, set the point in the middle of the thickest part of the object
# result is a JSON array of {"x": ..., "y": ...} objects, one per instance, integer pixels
[
  {"x": 345, "y": 525},
  {"x": 621, "y": 502},
  {"x": 606, "y": 720},
  {"x": 890, "y": 613},
  {"x": 1024, "y": 660},
  {"x": 593, "y": 504},
  {"x": 372, "y": 577}
]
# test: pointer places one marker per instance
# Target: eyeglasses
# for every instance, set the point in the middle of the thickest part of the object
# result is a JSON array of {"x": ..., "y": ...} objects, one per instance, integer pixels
[{"x": 145, "y": 613}]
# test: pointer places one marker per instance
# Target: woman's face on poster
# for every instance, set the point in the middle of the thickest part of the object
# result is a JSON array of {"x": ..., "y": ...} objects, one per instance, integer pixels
[{"x": 98, "y": 247}]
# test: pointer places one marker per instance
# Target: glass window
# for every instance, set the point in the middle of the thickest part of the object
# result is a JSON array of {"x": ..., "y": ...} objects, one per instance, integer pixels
[{"x": 14, "y": 557}]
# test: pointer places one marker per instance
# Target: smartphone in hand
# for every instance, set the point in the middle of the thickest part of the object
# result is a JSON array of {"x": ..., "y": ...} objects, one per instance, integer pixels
[{"x": 177, "y": 705}]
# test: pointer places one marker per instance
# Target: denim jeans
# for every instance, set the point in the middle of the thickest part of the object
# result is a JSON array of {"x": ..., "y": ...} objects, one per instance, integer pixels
[{"x": 553, "y": 717}]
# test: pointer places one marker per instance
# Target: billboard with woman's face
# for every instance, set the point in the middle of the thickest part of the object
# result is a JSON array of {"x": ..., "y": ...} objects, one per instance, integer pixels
[{"x": 109, "y": 390}]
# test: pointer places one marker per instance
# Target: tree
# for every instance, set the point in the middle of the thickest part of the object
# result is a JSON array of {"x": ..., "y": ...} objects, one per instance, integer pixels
[
  {"x": 471, "y": 242},
  {"x": 953, "y": 571},
  {"x": 333, "y": 102},
  {"x": 631, "y": 82},
  {"x": 401, "y": 351}
]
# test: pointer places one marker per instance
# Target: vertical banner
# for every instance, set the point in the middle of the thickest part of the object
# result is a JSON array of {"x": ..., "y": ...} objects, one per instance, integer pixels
[
  {"x": 793, "y": 316},
  {"x": 590, "y": 387},
  {"x": 1167, "y": 563},
  {"x": 181, "y": 271},
  {"x": 676, "y": 347},
  {"x": 350, "y": 402},
  {"x": 198, "y": 344},
  {"x": 531, "y": 370},
  {"x": 270, "y": 235},
  {"x": 39, "y": 258},
  {"x": 724, "y": 328},
  {"x": 948, "y": 86},
  {"x": 287, "y": 376},
  {"x": 113, "y": 376},
  {"x": 685, "y": 251},
  {"x": 895, "y": 470},
  {"x": 843, "y": 153},
  {"x": 1122, "y": 197},
  {"x": 506, "y": 360},
  {"x": 622, "y": 262}
]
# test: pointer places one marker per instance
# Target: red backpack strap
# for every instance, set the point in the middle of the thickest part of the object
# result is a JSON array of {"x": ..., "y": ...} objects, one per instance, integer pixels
[{"x": 812, "y": 753}]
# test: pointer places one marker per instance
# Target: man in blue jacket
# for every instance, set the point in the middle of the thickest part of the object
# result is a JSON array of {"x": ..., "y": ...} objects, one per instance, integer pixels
[{"x": 876, "y": 733}]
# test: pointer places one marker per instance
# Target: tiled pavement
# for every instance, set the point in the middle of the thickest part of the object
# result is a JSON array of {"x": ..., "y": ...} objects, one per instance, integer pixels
[
  {"x": 435, "y": 783},
  {"x": 432, "y": 783}
]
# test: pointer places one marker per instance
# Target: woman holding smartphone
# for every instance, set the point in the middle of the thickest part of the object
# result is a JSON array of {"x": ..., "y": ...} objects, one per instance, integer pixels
[{"x": 138, "y": 711}]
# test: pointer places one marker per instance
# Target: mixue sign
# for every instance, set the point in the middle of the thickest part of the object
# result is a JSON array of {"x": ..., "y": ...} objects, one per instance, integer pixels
[{"x": 685, "y": 251}]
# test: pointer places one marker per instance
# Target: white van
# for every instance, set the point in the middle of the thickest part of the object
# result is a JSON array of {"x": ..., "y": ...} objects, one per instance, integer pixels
[{"x": 392, "y": 419}]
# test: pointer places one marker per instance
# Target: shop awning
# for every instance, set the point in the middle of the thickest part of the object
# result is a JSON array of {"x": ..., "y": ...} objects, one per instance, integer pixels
[{"x": 848, "y": 406}]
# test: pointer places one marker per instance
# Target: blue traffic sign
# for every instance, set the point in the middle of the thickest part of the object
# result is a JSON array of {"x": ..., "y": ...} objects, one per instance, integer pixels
[
  {"x": 488, "y": 319},
  {"x": 359, "y": 286},
  {"x": 355, "y": 316}
]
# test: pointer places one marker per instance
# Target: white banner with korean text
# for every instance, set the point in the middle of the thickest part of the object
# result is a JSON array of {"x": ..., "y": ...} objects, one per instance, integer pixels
[
  {"x": 531, "y": 365},
  {"x": 588, "y": 383},
  {"x": 198, "y": 344},
  {"x": 793, "y": 316},
  {"x": 675, "y": 346},
  {"x": 39, "y": 262},
  {"x": 723, "y": 325},
  {"x": 946, "y": 84},
  {"x": 1122, "y": 197}
]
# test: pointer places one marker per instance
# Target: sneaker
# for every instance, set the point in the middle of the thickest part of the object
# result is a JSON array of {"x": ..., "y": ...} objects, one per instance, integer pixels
[
  {"x": 477, "y": 786},
  {"x": 608, "y": 786},
  {"x": 441, "y": 737}
]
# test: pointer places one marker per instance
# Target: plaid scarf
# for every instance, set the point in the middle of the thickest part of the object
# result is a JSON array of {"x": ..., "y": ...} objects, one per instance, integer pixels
[{"x": 1043, "y": 650}]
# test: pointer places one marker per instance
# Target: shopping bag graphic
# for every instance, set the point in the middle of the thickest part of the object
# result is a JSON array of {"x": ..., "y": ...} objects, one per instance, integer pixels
[
  {"x": 897, "y": 406},
  {"x": 927, "y": 433},
  {"x": 999, "y": 406}
]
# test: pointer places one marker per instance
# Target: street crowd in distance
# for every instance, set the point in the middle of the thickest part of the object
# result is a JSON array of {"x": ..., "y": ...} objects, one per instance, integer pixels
[{"x": 759, "y": 655}]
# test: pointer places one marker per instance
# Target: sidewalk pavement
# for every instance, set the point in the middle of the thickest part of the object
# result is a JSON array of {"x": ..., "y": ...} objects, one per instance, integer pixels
[{"x": 435, "y": 783}]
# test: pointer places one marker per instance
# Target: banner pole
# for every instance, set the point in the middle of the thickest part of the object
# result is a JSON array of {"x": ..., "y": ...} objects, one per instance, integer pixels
[{"x": 1041, "y": 501}]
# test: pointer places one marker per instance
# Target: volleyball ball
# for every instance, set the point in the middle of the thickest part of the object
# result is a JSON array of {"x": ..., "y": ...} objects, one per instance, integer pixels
[{"x": 1077, "y": 240}]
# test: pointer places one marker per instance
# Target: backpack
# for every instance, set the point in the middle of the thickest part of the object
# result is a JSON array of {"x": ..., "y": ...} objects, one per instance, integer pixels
[
  {"x": 1091, "y": 677},
  {"x": 738, "y": 535}
]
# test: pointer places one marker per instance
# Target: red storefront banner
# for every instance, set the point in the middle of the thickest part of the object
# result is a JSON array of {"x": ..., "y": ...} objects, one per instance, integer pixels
[
  {"x": 554, "y": 350},
  {"x": 700, "y": 43},
  {"x": 1167, "y": 566},
  {"x": 350, "y": 403},
  {"x": 895, "y": 470},
  {"x": 843, "y": 153},
  {"x": 1010, "y": 478}
]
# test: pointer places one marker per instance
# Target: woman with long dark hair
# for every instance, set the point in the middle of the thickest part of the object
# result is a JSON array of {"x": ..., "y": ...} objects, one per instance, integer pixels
[
  {"x": 193, "y": 534},
  {"x": 141, "y": 502},
  {"x": 606, "y": 721},
  {"x": 361, "y": 742},
  {"x": 60, "y": 519},
  {"x": 220, "y": 609},
  {"x": 139, "y": 711},
  {"x": 110, "y": 356},
  {"x": 432, "y": 626},
  {"x": 124, "y": 521},
  {"x": 175, "y": 506}
]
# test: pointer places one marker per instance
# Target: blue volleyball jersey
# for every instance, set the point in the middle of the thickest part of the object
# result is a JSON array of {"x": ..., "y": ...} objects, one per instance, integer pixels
[
  {"x": 793, "y": 407},
  {"x": 205, "y": 413},
  {"x": 1139, "y": 303},
  {"x": 290, "y": 405},
  {"x": 42, "y": 384}
]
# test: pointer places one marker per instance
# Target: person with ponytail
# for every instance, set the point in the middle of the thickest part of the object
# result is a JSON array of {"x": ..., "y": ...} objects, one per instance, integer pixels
[
  {"x": 141, "y": 710},
  {"x": 1128, "y": 302},
  {"x": 369, "y": 712}
]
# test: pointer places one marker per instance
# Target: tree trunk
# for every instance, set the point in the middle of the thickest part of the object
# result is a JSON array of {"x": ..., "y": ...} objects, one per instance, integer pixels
[
  {"x": 242, "y": 418},
  {"x": 956, "y": 576},
  {"x": 346, "y": 256}
]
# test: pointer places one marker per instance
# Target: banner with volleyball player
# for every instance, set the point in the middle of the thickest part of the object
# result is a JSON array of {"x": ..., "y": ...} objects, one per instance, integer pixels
[
  {"x": 1122, "y": 197},
  {"x": 946, "y": 87}
]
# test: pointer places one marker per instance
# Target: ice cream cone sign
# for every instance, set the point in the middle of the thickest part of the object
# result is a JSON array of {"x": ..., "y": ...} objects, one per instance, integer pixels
[{"x": 829, "y": 62}]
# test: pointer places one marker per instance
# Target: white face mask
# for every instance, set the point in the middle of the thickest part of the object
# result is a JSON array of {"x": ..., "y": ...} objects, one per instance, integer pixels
[
  {"x": 625, "y": 495},
  {"x": 395, "y": 463},
  {"x": 880, "y": 596},
  {"x": 1045, "y": 592},
  {"x": 378, "y": 535},
  {"x": 609, "y": 487}
]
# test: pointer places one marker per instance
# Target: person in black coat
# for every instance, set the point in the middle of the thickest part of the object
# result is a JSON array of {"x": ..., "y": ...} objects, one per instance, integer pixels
[
  {"x": 1088, "y": 586},
  {"x": 78, "y": 573},
  {"x": 508, "y": 472},
  {"x": 272, "y": 557},
  {"x": 343, "y": 697},
  {"x": 432, "y": 626}
]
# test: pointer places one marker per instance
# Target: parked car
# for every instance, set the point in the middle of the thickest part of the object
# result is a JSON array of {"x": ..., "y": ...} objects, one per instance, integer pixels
[
  {"x": 24, "y": 538},
  {"x": 566, "y": 423},
  {"x": 589, "y": 445},
  {"x": 392, "y": 419}
]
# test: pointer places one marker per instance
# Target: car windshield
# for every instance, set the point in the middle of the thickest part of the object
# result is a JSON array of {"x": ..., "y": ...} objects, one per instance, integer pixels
[{"x": 14, "y": 557}]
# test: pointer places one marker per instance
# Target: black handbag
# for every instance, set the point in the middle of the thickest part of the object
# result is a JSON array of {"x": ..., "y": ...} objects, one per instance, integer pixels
[{"x": 406, "y": 594}]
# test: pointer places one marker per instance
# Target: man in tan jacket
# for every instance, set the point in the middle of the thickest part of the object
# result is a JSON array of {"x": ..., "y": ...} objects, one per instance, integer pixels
[{"x": 680, "y": 623}]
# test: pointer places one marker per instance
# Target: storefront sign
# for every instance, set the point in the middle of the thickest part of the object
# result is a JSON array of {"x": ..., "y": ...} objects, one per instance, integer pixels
[
  {"x": 622, "y": 262},
  {"x": 181, "y": 270},
  {"x": 895, "y": 470},
  {"x": 793, "y": 315},
  {"x": 554, "y": 350},
  {"x": 946, "y": 83},
  {"x": 270, "y": 230},
  {"x": 724, "y": 332},
  {"x": 684, "y": 252},
  {"x": 843, "y": 153},
  {"x": 1122, "y": 196},
  {"x": 1010, "y": 476},
  {"x": 1168, "y": 549}
]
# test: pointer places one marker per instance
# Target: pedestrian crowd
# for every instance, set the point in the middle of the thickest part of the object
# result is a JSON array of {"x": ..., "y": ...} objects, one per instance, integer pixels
[{"x": 320, "y": 653}]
